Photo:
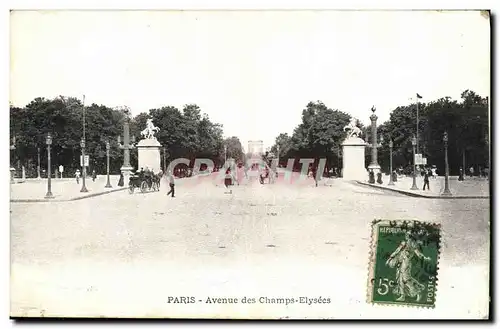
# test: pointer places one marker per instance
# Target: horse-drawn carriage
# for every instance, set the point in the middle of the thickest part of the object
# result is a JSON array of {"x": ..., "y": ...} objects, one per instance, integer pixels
[{"x": 144, "y": 182}]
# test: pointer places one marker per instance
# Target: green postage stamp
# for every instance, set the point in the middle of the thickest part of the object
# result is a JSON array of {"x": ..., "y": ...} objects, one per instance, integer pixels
[{"x": 404, "y": 260}]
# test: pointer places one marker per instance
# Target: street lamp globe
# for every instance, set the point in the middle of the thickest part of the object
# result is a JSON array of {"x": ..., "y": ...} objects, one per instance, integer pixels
[
  {"x": 390, "y": 143},
  {"x": 48, "y": 140},
  {"x": 414, "y": 141},
  {"x": 82, "y": 143},
  {"x": 107, "y": 145},
  {"x": 445, "y": 136}
]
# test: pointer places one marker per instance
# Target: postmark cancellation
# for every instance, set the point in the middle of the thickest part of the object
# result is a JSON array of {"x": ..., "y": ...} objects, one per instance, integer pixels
[{"x": 404, "y": 262}]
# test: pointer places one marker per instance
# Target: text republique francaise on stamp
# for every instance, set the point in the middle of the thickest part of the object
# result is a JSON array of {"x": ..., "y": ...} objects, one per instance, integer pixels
[{"x": 404, "y": 259}]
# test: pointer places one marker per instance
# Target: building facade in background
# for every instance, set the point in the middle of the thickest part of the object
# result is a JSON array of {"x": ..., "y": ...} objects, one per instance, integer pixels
[{"x": 255, "y": 147}]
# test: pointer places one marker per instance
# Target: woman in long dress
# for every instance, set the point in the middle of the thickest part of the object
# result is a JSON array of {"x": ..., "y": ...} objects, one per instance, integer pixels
[
  {"x": 401, "y": 259},
  {"x": 228, "y": 180}
]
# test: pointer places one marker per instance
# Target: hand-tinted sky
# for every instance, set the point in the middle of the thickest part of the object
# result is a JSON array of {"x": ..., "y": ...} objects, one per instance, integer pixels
[{"x": 252, "y": 71}]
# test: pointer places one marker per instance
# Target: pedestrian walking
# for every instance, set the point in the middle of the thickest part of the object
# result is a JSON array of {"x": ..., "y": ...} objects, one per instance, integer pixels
[
  {"x": 434, "y": 172},
  {"x": 246, "y": 171},
  {"x": 471, "y": 171},
  {"x": 171, "y": 183},
  {"x": 94, "y": 175},
  {"x": 77, "y": 176},
  {"x": 394, "y": 176},
  {"x": 426, "y": 180},
  {"x": 460, "y": 174},
  {"x": 120, "y": 181},
  {"x": 371, "y": 177},
  {"x": 228, "y": 180}
]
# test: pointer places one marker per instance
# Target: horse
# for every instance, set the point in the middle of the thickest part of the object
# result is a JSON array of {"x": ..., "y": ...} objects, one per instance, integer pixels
[
  {"x": 157, "y": 177},
  {"x": 148, "y": 132},
  {"x": 352, "y": 131}
]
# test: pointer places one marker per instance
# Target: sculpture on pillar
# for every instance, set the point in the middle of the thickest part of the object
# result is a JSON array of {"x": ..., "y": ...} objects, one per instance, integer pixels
[
  {"x": 148, "y": 149},
  {"x": 352, "y": 129},
  {"x": 353, "y": 153},
  {"x": 150, "y": 130}
]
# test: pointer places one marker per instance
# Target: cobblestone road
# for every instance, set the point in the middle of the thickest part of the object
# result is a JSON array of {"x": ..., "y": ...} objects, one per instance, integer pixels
[{"x": 123, "y": 255}]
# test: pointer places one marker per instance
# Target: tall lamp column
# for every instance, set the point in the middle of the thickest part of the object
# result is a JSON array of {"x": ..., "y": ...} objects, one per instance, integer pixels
[
  {"x": 12, "y": 169},
  {"x": 84, "y": 188},
  {"x": 108, "y": 184},
  {"x": 414, "y": 186},
  {"x": 38, "y": 168},
  {"x": 374, "y": 145},
  {"x": 391, "y": 145},
  {"x": 164, "y": 160},
  {"x": 128, "y": 144},
  {"x": 446, "y": 191},
  {"x": 49, "y": 195}
]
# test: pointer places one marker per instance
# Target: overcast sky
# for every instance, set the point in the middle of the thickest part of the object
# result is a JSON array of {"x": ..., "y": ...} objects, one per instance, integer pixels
[{"x": 252, "y": 71}]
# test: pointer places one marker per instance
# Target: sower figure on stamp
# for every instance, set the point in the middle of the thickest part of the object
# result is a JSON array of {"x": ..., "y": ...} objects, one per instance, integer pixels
[
  {"x": 171, "y": 183},
  {"x": 401, "y": 258}
]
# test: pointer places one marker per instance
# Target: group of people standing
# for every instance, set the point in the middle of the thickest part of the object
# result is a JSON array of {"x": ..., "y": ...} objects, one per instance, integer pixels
[
  {"x": 482, "y": 172},
  {"x": 78, "y": 174}
]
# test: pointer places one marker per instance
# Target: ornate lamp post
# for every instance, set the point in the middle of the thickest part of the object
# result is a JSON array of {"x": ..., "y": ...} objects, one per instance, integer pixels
[
  {"x": 126, "y": 147},
  {"x": 164, "y": 159},
  {"x": 278, "y": 154},
  {"x": 391, "y": 182},
  {"x": 446, "y": 191},
  {"x": 48, "y": 141},
  {"x": 108, "y": 184},
  {"x": 374, "y": 145},
  {"x": 84, "y": 188},
  {"x": 12, "y": 169},
  {"x": 339, "y": 165},
  {"x": 38, "y": 168},
  {"x": 414, "y": 143}
]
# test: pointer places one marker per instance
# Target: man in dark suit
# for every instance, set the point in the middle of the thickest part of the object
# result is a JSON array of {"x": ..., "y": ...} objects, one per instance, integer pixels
[
  {"x": 426, "y": 180},
  {"x": 171, "y": 183}
]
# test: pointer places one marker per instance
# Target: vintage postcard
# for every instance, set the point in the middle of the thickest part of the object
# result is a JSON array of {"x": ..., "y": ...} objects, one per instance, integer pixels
[{"x": 250, "y": 164}]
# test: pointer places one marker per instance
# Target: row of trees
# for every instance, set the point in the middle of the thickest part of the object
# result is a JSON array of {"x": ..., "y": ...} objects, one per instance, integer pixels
[
  {"x": 189, "y": 133},
  {"x": 321, "y": 134},
  {"x": 467, "y": 124},
  {"x": 184, "y": 133}
]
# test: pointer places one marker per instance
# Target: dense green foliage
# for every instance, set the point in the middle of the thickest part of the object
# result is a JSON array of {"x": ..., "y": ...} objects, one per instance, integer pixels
[
  {"x": 190, "y": 134},
  {"x": 184, "y": 133},
  {"x": 320, "y": 135},
  {"x": 467, "y": 122}
]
